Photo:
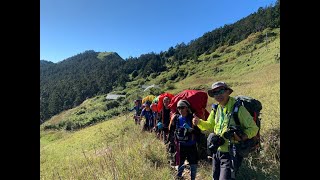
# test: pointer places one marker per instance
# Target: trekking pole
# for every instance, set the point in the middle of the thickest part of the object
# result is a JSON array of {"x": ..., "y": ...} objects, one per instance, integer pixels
[{"x": 231, "y": 146}]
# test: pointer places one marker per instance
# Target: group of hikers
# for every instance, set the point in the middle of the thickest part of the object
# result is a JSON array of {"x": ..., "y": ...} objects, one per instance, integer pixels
[
  {"x": 180, "y": 123},
  {"x": 154, "y": 121}
]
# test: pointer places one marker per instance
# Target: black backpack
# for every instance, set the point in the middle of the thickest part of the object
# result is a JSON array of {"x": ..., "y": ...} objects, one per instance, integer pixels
[
  {"x": 181, "y": 134},
  {"x": 254, "y": 107}
]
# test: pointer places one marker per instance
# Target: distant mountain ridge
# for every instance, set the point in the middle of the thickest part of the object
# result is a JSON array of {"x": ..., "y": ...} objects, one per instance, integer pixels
[
  {"x": 66, "y": 84},
  {"x": 100, "y": 55}
]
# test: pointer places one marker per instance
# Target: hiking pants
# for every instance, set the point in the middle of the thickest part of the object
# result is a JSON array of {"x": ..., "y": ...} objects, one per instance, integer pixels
[
  {"x": 222, "y": 166},
  {"x": 164, "y": 133},
  {"x": 190, "y": 153}
]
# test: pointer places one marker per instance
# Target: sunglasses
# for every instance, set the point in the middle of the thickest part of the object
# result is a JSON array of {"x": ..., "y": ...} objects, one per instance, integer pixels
[
  {"x": 221, "y": 91},
  {"x": 181, "y": 107}
]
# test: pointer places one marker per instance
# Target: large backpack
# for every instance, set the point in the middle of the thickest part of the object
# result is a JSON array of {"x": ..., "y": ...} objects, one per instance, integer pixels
[
  {"x": 254, "y": 107},
  {"x": 197, "y": 99},
  {"x": 160, "y": 99}
]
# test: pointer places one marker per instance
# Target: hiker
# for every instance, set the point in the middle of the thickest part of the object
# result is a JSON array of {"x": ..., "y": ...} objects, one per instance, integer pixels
[
  {"x": 225, "y": 160},
  {"x": 137, "y": 107},
  {"x": 147, "y": 114},
  {"x": 185, "y": 138},
  {"x": 164, "y": 120},
  {"x": 154, "y": 110}
]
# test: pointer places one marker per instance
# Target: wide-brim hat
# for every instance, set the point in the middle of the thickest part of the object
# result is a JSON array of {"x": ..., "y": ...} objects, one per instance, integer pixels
[{"x": 216, "y": 85}]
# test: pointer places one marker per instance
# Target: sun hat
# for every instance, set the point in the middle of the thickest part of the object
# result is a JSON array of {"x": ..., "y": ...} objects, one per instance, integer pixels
[{"x": 217, "y": 85}]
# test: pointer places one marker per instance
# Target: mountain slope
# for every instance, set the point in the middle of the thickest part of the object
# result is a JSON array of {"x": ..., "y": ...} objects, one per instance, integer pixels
[{"x": 68, "y": 83}]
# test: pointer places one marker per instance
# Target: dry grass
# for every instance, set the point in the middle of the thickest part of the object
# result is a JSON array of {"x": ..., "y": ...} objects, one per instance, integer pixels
[{"x": 109, "y": 150}]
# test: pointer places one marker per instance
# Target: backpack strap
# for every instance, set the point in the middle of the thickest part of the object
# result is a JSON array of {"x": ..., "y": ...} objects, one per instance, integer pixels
[
  {"x": 176, "y": 120},
  {"x": 236, "y": 108},
  {"x": 214, "y": 109}
]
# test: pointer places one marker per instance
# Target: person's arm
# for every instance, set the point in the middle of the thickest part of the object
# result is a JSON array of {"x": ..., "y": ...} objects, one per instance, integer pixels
[
  {"x": 247, "y": 123},
  {"x": 142, "y": 114},
  {"x": 131, "y": 109},
  {"x": 172, "y": 124},
  {"x": 205, "y": 125}
]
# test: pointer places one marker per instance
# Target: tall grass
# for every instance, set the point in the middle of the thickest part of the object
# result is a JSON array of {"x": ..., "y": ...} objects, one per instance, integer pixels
[{"x": 114, "y": 149}]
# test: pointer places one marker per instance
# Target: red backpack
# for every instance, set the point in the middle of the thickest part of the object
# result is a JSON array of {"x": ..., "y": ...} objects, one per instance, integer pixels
[
  {"x": 160, "y": 99},
  {"x": 197, "y": 99}
]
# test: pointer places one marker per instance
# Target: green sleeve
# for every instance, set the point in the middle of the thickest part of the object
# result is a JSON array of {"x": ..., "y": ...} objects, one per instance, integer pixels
[
  {"x": 209, "y": 124},
  {"x": 246, "y": 121}
]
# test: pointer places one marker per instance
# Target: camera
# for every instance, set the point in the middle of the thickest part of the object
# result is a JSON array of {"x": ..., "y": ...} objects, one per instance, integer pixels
[
  {"x": 232, "y": 129},
  {"x": 214, "y": 142}
]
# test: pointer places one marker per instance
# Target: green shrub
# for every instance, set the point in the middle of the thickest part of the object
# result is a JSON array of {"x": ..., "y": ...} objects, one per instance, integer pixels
[
  {"x": 50, "y": 126},
  {"x": 229, "y": 50},
  {"x": 170, "y": 86},
  {"x": 112, "y": 104},
  {"x": 80, "y": 112},
  {"x": 173, "y": 76},
  {"x": 215, "y": 56}
]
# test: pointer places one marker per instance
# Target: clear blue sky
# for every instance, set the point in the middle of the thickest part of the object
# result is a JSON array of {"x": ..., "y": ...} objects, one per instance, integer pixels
[{"x": 132, "y": 27}]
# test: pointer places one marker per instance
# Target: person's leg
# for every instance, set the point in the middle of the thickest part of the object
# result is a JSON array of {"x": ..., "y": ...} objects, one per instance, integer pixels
[
  {"x": 165, "y": 135},
  {"x": 172, "y": 150},
  {"x": 238, "y": 164},
  {"x": 139, "y": 120},
  {"x": 182, "y": 159},
  {"x": 225, "y": 166},
  {"x": 215, "y": 166},
  {"x": 192, "y": 157},
  {"x": 151, "y": 124},
  {"x": 193, "y": 169},
  {"x": 145, "y": 126}
]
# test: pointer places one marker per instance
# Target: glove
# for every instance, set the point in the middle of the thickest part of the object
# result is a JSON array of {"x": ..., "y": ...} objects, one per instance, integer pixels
[
  {"x": 187, "y": 127},
  {"x": 159, "y": 125}
]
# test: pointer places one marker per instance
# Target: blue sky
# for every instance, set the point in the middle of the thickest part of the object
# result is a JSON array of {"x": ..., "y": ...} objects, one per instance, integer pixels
[{"x": 132, "y": 27}]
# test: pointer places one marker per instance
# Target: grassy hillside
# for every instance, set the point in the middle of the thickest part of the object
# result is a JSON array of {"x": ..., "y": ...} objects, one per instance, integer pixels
[
  {"x": 106, "y": 151},
  {"x": 116, "y": 149}
]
